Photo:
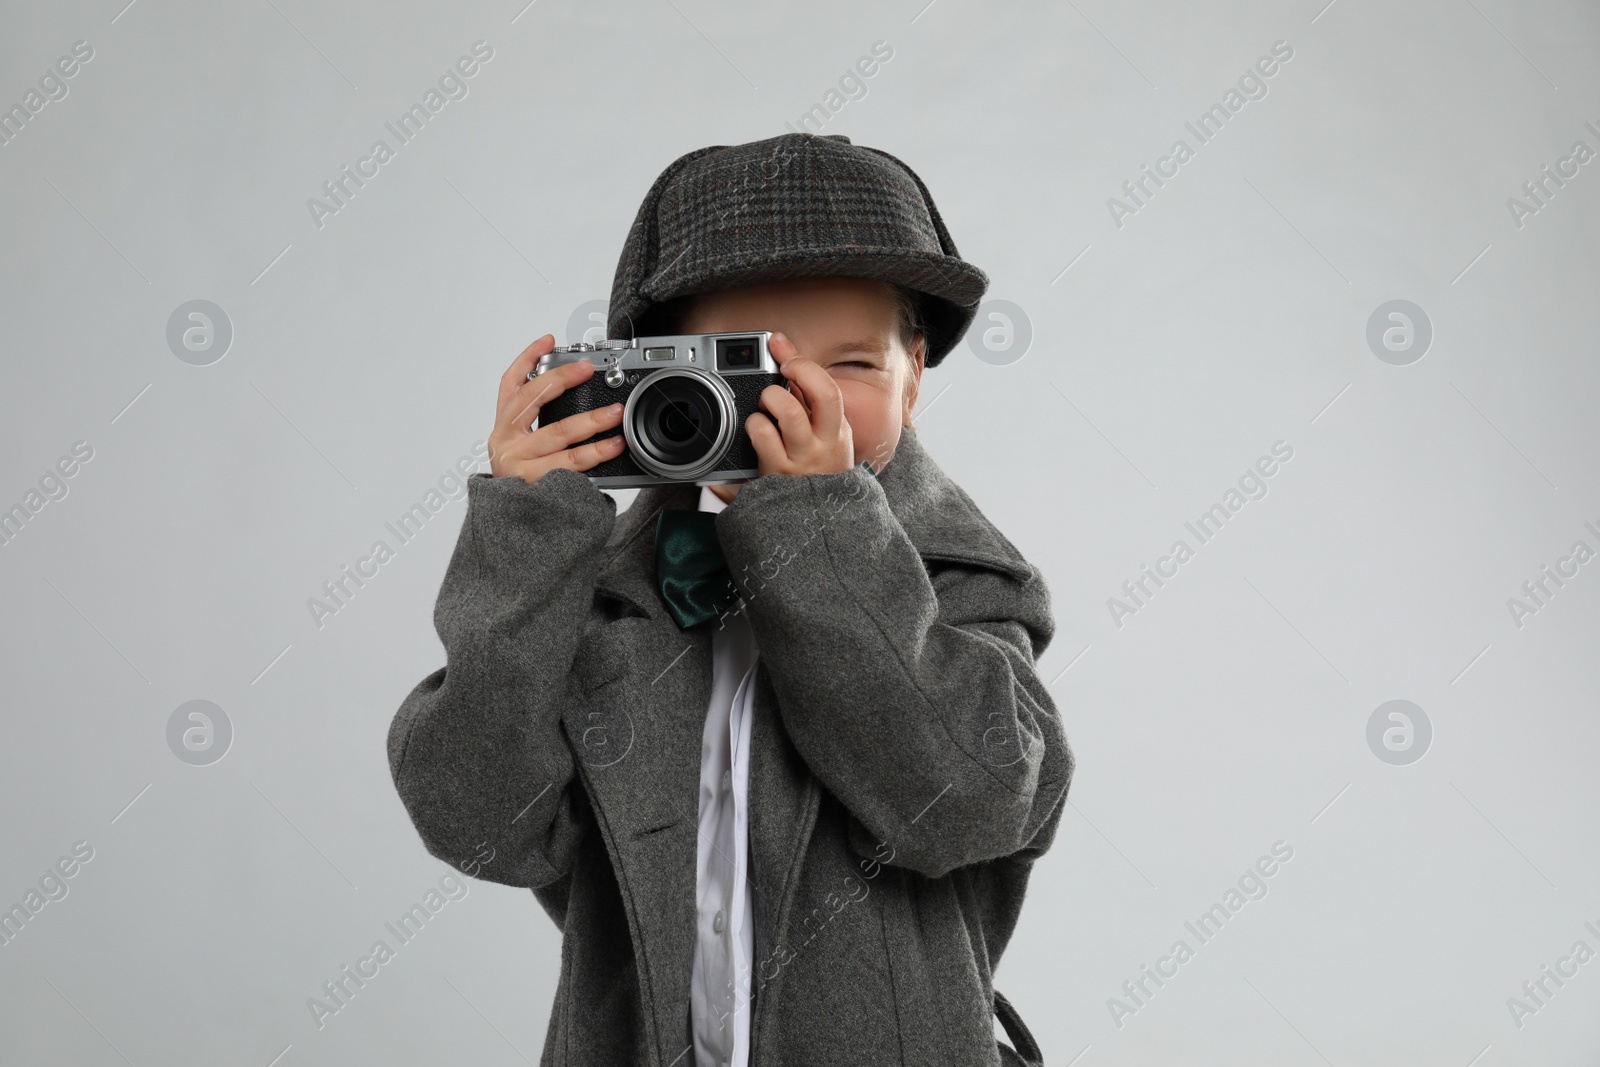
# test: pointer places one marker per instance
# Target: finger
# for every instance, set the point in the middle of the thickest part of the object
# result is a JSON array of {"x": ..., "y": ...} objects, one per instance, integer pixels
[
  {"x": 581, "y": 458},
  {"x": 767, "y": 442},
  {"x": 781, "y": 348},
  {"x": 595, "y": 453},
  {"x": 532, "y": 395},
  {"x": 517, "y": 374},
  {"x": 784, "y": 353},
  {"x": 821, "y": 394},
  {"x": 563, "y": 433},
  {"x": 791, "y": 416},
  {"x": 509, "y": 452},
  {"x": 789, "y": 370}
]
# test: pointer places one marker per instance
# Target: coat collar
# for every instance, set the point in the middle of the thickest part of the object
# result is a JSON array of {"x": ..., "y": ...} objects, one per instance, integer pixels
[{"x": 938, "y": 516}]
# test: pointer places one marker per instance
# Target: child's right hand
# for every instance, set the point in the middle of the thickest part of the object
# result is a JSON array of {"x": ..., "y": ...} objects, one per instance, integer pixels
[{"x": 516, "y": 448}]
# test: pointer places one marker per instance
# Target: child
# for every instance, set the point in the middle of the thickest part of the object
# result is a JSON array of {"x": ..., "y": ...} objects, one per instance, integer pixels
[{"x": 787, "y": 819}]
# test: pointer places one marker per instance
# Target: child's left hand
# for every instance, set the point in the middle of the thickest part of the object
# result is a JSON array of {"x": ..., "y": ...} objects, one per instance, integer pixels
[{"x": 807, "y": 432}]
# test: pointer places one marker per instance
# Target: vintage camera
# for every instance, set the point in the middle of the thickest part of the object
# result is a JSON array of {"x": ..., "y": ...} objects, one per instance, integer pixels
[{"x": 685, "y": 401}]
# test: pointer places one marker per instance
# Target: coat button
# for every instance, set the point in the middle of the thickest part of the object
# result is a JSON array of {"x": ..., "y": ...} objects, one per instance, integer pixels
[
  {"x": 727, "y": 780},
  {"x": 719, "y": 922}
]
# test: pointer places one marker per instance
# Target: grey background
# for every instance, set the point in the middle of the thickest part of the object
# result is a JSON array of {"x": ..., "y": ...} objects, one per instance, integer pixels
[{"x": 1230, "y": 713}]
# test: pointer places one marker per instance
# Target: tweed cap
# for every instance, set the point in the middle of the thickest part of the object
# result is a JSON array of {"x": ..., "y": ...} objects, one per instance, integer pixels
[{"x": 798, "y": 205}]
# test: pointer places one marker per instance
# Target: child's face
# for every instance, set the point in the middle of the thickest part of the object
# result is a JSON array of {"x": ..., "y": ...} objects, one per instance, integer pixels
[{"x": 850, "y": 328}]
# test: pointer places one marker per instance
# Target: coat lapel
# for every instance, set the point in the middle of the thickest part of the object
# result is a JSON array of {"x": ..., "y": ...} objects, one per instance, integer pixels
[{"x": 649, "y": 684}]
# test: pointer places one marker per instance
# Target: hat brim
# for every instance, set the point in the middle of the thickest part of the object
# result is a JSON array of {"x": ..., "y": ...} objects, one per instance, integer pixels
[{"x": 954, "y": 285}]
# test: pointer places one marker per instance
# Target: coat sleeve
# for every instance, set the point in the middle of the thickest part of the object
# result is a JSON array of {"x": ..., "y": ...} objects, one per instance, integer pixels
[
  {"x": 477, "y": 750},
  {"x": 908, "y": 688}
]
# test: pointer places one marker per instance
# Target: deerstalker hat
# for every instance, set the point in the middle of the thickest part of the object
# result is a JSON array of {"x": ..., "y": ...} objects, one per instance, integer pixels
[{"x": 798, "y": 205}]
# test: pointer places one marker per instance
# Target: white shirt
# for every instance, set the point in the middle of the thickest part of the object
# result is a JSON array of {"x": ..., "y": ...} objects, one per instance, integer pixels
[{"x": 719, "y": 991}]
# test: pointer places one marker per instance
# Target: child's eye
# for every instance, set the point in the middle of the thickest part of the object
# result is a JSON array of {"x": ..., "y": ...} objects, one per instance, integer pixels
[{"x": 856, "y": 363}]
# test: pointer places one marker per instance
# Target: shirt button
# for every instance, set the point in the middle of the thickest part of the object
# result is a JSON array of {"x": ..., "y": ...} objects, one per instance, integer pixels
[
  {"x": 727, "y": 780},
  {"x": 719, "y": 922}
]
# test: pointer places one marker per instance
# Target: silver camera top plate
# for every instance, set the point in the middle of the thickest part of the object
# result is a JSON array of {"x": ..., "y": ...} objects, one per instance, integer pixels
[{"x": 744, "y": 352}]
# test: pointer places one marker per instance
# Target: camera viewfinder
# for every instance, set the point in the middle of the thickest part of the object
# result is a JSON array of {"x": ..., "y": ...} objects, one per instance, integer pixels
[{"x": 738, "y": 353}]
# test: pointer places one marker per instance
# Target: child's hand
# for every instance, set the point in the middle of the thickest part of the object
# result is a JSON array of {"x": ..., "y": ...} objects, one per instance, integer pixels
[
  {"x": 514, "y": 448},
  {"x": 806, "y": 432}
]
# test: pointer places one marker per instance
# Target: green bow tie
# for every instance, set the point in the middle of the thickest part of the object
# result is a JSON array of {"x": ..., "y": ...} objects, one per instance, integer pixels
[{"x": 690, "y": 569}]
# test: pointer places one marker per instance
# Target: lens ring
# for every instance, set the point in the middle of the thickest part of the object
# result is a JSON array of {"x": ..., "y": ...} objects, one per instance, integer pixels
[
  {"x": 676, "y": 420},
  {"x": 643, "y": 402}
]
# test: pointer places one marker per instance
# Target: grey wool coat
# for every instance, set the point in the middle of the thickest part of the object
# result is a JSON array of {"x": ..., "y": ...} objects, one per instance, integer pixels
[{"x": 907, "y": 765}]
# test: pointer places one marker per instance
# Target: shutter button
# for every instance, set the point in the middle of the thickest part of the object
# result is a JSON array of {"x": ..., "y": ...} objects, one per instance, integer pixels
[{"x": 719, "y": 922}]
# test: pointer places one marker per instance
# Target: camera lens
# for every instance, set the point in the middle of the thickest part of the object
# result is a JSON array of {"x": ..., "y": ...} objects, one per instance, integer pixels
[
  {"x": 680, "y": 422},
  {"x": 677, "y": 420}
]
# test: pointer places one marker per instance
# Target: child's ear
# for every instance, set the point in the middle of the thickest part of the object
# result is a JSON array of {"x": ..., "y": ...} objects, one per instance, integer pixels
[{"x": 913, "y": 380}]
